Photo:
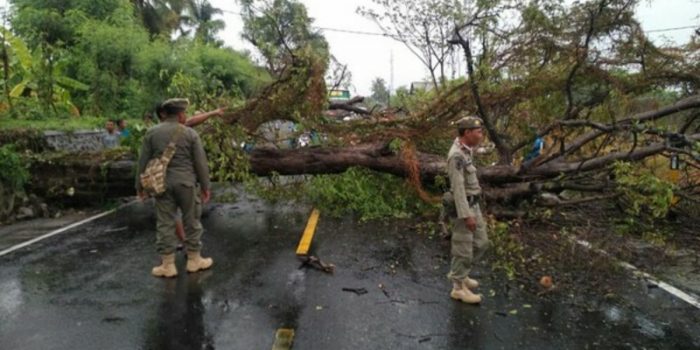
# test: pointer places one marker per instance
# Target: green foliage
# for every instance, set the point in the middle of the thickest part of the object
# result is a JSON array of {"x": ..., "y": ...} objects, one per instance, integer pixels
[
  {"x": 506, "y": 248},
  {"x": 41, "y": 81},
  {"x": 14, "y": 174},
  {"x": 134, "y": 141},
  {"x": 404, "y": 99},
  {"x": 42, "y": 123},
  {"x": 431, "y": 229},
  {"x": 278, "y": 29},
  {"x": 209, "y": 75},
  {"x": 642, "y": 192},
  {"x": 369, "y": 194},
  {"x": 104, "y": 57},
  {"x": 645, "y": 229},
  {"x": 645, "y": 198},
  {"x": 421, "y": 98},
  {"x": 380, "y": 91},
  {"x": 275, "y": 188},
  {"x": 396, "y": 145},
  {"x": 437, "y": 145},
  {"x": 201, "y": 15},
  {"x": 656, "y": 237},
  {"x": 227, "y": 158},
  {"x": 164, "y": 17},
  {"x": 96, "y": 57},
  {"x": 441, "y": 182}
]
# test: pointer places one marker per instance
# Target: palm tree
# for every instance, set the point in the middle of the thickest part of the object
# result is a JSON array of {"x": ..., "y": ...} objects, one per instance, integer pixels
[
  {"x": 160, "y": 17},
  {"x": 163, "y": 17},
  {"x": 201, "y": 16}
]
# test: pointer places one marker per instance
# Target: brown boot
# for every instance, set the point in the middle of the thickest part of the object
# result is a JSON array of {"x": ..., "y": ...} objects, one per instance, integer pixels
[
  {"x": 195, "y": 262},
  {"x": 166, "y": 268},
  {"x": 463, "y": 294},
  {"x": 470, "y": 283}
]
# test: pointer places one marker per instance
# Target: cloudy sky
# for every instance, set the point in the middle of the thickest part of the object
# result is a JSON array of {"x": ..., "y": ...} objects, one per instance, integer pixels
[{"x": 369, "y": 56}]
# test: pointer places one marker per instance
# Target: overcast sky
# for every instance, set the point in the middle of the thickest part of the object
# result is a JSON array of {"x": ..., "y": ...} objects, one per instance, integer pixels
[{"x": 369, "y": 57}]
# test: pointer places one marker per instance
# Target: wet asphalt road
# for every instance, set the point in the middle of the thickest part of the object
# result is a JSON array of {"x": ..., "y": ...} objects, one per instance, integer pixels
[{"x": 91, "y": 288}]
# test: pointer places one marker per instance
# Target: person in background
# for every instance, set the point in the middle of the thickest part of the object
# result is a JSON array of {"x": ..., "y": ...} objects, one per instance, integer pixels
[
  {"x": 536, "y": 150},
  {"x": 121, "y": 127},
  {"x": 110, "y": 138}
]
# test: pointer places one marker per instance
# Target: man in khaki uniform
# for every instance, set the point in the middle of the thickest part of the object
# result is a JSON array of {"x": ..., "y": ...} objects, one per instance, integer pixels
[
  {"x": 187, "y": 169},
  {"x": 469, "y": 239},
  {"x": 192, "y": 121}
]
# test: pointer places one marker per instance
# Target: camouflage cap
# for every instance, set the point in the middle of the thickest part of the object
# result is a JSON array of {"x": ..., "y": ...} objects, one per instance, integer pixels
[
  {"x": 470, "y": 122},
  {"x": 172, "y": 104}
]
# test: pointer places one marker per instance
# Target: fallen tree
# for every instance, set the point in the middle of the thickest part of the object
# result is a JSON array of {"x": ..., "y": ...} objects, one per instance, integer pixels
[
  {"x": 90, "y": 177},
  {"x": 589, "y": 83}
]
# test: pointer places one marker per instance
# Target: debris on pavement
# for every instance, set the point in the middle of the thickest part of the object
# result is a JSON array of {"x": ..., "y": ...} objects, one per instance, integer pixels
[
  {"x": 358, "y": 291},
  {"x": 316, "y": 263}
]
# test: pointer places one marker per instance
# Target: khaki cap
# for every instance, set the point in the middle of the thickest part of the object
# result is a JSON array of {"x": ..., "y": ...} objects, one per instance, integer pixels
[
  {"x": 470, "y": 122},
  {"x": 176, "y": 104}
]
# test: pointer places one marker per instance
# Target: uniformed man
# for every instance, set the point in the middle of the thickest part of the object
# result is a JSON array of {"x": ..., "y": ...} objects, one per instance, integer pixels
[
  {"x": 193, "y": 121},
  {"x": 469, "y": 238},
  {"x": 187, "y": 169}
]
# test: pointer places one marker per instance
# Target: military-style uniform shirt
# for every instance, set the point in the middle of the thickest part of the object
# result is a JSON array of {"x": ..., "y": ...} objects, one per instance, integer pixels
[
  {"x": 189, "y": 164},
  {"x": 463, "y": 181}
]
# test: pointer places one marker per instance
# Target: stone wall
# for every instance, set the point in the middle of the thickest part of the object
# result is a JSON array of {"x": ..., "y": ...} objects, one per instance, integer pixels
[{"x": 76, "y": 141}]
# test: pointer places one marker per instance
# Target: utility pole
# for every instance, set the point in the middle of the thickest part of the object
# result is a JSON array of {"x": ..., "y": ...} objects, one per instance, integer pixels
[{"x": 391, "y": 76}]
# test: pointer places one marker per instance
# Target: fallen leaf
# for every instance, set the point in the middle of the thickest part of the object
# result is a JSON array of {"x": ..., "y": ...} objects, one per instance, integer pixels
[{"x": 546, "y": 282}]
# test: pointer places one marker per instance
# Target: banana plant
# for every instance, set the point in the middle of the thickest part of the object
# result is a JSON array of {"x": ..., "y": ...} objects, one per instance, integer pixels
[{"x": 30, "y": 69}]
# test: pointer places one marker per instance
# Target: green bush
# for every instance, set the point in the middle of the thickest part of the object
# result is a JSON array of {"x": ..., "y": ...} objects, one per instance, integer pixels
[
  {"x": 369, "y": 194},
  {"x": 645, "y": 199},
  {"x": 14, "y": 174},
  {"x": 641, "y": 192},
  {"x": 508, "y": 251}
]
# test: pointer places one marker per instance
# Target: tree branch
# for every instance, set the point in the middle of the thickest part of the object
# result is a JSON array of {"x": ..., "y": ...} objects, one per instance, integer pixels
[{"x": 505, "y": 156}]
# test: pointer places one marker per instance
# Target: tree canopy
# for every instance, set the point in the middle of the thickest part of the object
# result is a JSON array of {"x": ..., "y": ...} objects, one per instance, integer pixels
[{"x": 114, "y": 58}]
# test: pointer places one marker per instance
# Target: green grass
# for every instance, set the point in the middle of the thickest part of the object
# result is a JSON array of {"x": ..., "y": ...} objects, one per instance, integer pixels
[{"x": 60, "y": 124}]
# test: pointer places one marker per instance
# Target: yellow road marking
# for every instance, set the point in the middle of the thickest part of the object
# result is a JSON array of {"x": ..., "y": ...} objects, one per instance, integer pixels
[
  {"x": 309, "y": 231},
  {"x": 283, "y": 339}
]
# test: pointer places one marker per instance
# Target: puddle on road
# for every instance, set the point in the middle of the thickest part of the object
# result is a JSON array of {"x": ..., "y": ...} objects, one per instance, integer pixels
[{"x": 10, "y": 296}]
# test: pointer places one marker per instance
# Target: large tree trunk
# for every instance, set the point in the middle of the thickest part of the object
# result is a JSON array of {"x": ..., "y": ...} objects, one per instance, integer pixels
[
  {"x": 317, "y": 160},
  {"x": 94, "y": 179}
]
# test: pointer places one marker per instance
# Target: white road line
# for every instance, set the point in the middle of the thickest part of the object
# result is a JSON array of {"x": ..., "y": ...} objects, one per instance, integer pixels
[
  {"x": 688, "y": 298},
  {"x": 61, "y": 230}
]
